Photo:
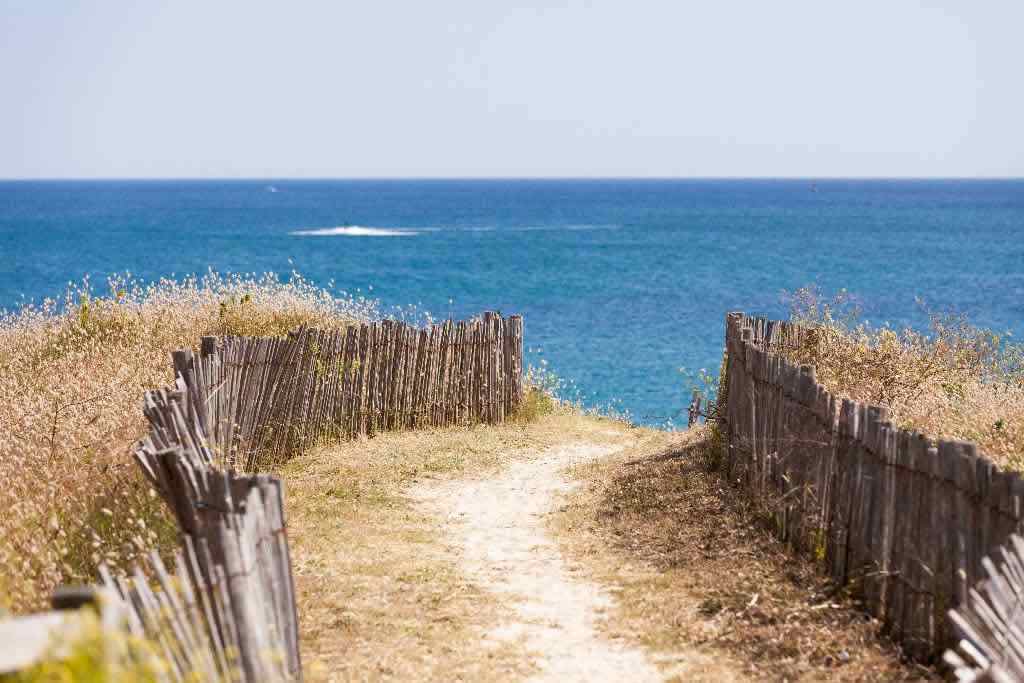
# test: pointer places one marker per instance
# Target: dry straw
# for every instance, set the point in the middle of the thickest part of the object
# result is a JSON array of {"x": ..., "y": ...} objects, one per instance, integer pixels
[{"x": 955, "y": 381}]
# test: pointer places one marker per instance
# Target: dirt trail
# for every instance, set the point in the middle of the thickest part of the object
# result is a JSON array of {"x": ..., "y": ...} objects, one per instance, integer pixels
[
  {"x": 507, "y": 562},
  {"x": 497, "y": 529}
]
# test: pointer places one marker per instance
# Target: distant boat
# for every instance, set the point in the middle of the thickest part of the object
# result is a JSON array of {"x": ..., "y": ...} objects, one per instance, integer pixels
[
  {"x": 814, "y": 187},
  {"x": 271, "y": 188}
]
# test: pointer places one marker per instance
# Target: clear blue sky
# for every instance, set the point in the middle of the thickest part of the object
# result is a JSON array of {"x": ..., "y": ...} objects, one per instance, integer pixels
[{"x": 493, "y": 88}]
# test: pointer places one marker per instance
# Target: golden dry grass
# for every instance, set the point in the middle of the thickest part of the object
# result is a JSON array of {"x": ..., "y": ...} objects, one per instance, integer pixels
[
  {"x": 380, "y": 593},
  {"x": 70, "y": 408},
  {"x": 955, "y": 382},
  {"x": 698, "y": 574}
]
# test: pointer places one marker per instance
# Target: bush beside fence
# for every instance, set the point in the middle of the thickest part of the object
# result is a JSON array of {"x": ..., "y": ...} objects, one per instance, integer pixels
[{"x": 902, "y": 521}]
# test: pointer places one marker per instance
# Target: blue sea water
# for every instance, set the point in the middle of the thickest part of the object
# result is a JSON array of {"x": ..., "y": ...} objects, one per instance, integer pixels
[{"x": 621, "y": 282}]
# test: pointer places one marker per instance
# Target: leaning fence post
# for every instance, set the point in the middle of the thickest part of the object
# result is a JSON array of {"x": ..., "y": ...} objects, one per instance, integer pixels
[{"x": 694, "y": 410}]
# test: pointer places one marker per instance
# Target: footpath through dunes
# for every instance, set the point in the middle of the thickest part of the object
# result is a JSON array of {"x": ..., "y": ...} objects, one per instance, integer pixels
[
  {"x": 516, "y": 552},
  {"x": 495, "y": 527}
]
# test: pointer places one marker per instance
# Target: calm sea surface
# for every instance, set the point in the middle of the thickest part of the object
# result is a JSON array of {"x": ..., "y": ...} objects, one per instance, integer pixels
[{"x": 621, "y": 282}]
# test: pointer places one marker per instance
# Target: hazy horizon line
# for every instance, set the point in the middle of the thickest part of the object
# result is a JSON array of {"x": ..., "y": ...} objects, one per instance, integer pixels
[{"x": 42, "y": 179}]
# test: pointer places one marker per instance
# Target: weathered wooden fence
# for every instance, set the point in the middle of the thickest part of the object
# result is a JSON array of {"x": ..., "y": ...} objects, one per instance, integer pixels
[
  {"x": 901, "y": 520},
  {"x": 991, "y": 623},
  {"x": 265, "y": 398},
  {"x": 231, "y": 611},
  {"x": 246, "y": 403},
  {"x": 227, "y": 610}
]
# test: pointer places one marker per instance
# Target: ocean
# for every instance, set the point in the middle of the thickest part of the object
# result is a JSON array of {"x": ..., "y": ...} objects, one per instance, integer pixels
[{"x": 623, "y": 284}]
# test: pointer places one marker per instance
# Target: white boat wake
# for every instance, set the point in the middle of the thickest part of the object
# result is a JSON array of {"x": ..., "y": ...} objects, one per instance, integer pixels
[{"x": 358, "y": 231}]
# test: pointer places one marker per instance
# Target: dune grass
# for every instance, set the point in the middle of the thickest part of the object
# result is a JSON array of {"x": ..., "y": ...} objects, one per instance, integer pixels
[
  {"x": 955, "y": 381},
  {"x": 73, "y": 375}
]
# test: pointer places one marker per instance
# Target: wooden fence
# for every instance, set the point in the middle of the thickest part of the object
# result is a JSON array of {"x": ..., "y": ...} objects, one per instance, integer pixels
[
  {"x": 991, "y": 623},
  {"x": 227, "y": 610},
  {"x": 247, "y": 403},
  {"x": 230, "y": 614},
  {"x": 265, "y": 398},
  {"x": 901, "y": 520}
]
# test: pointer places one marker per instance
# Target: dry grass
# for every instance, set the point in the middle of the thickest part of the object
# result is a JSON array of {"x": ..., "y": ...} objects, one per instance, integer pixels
[
  {"x": 956, "y": 382},
  {"x": 70, "y": 407},
  {"x": 700, "y": 575},
  {"x": 379, "y": 590}
]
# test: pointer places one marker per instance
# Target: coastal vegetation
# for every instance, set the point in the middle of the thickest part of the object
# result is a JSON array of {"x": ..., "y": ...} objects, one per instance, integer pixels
[
  {"x": 953, "y": 381},
  {"x": 74, "y": 373}
]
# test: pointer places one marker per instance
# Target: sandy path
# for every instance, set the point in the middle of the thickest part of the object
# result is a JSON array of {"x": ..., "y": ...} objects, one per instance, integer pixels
[{"x": 497, "y": 529}]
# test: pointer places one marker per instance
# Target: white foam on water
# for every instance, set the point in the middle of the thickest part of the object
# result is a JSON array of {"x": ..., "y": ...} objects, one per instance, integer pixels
[
  {"x": 365, "y": 231},
  {"x": 358, "y": 231}
]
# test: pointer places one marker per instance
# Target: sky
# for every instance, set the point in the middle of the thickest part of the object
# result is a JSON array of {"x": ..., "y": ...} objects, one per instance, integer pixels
[{"x": 488, "y": 88}]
